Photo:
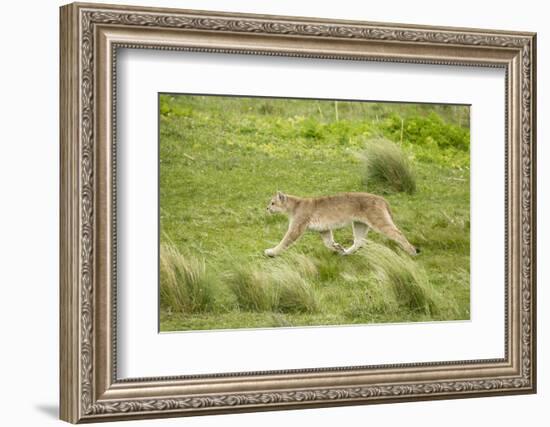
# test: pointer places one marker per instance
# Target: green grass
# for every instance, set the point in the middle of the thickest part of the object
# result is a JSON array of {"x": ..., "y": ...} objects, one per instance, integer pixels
[{"x": 222, "y": 158}]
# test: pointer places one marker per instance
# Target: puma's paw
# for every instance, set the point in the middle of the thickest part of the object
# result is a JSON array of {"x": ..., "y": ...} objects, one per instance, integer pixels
[
  {"x": 338, "y": 247},
  {"x": 270, "y": 252},
  {"x": 349, "y": 250}
]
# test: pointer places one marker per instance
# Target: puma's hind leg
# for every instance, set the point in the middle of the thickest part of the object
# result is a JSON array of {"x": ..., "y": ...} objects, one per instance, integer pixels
[
  {"x": 359, "y": 233},
  {"x": 397, "y": 236},
  {"x": 389, "y": 229},
  {"x": 328, "y": 240}
]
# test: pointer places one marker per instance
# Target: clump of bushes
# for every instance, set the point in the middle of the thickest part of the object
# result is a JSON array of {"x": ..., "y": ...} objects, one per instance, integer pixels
[
  {"x": 169, "y": 107},
  {"x": 428, "y": 129},
  {"x": 185, "y": 284},
  {"x": 388, "y": 167}
]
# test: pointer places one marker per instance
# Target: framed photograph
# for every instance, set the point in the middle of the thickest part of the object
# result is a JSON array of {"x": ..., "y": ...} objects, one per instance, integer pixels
[{"x": 266, "y": 213}]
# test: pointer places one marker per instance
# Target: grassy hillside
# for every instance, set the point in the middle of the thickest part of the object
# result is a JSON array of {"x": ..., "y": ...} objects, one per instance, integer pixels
[{"x": 221, "y": 160}]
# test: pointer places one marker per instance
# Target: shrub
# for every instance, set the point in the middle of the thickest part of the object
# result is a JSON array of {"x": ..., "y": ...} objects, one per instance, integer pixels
[
  {"x": 312, "y": 129},
  {"x": 170, "y": 107},
  {"x": 185, "y": 285},
  {"x": 386, "y": 165},
  {"x": 423, "y": 130}
]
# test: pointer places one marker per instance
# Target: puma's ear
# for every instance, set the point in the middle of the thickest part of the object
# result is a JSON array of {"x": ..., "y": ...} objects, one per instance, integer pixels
[{"x": 281, "y": 196}]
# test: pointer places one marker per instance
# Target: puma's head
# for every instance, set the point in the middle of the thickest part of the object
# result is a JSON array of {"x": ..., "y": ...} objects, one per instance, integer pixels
[{"x": 278, "y": 203}]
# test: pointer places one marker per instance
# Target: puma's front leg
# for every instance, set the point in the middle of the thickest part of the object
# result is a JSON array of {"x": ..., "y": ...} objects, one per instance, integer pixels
[{"x": 295, "y": 229}]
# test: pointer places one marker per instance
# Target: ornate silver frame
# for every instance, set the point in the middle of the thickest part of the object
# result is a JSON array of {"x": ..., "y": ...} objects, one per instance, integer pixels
[{"x": 90, "y": 36}]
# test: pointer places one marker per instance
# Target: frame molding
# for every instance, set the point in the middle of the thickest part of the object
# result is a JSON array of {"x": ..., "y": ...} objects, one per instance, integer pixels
[{"x": 90, "y": 37}]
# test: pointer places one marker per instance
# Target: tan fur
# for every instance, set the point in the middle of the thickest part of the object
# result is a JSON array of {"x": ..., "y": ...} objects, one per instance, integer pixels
[{"x": 324, "y": 214}]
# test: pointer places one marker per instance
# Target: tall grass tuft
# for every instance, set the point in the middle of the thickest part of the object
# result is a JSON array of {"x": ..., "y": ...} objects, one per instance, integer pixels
[
  {"x": 185, "y": 285},
  {"x": 252, "y": 289},
  {"x": 387, "y": 165},
  {"x": 304, "y": 264},
  {"x": 408, "y": 281},
  {"x": 295, "y": 292},
  {"x": 284, "y": 286}
]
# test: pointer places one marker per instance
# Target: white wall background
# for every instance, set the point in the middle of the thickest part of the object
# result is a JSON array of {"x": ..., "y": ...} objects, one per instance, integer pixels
[{"x": 29, "y": 171}]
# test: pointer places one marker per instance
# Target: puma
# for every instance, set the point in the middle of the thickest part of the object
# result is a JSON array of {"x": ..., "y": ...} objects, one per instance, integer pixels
[{"x": 324, "y": 214}]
